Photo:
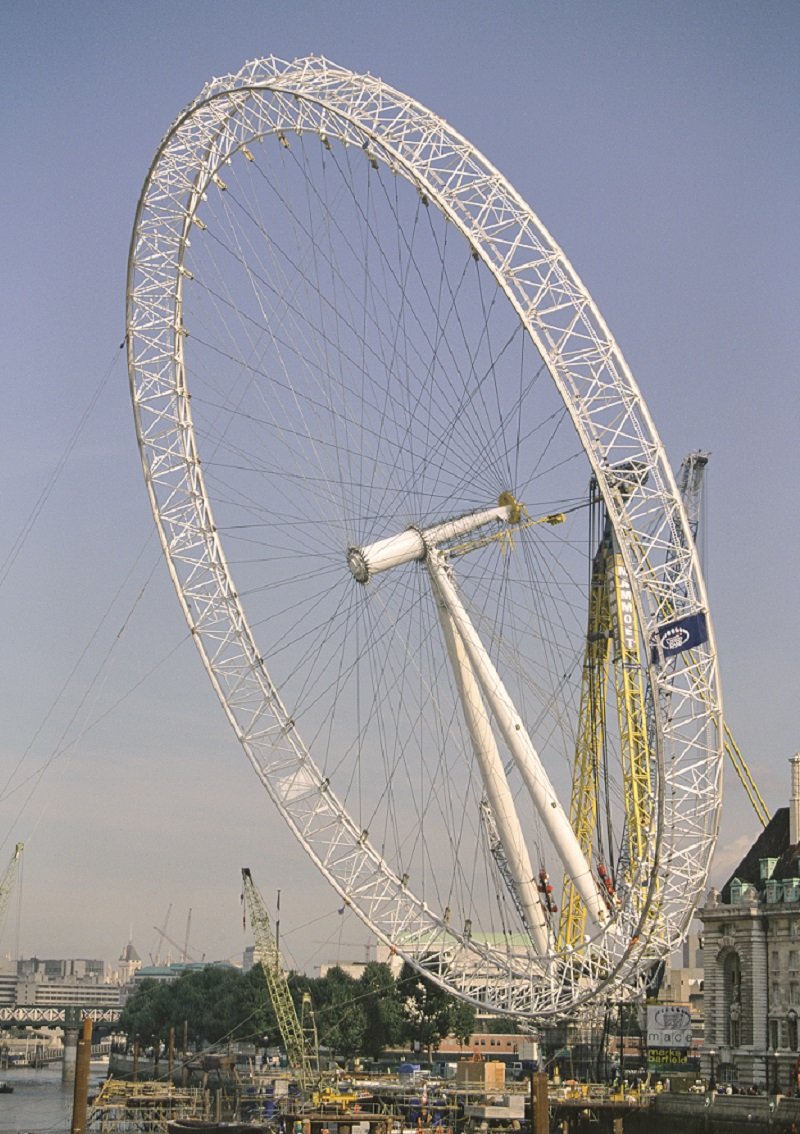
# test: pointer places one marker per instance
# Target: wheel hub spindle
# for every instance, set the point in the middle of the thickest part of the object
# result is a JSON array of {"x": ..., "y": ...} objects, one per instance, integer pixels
[{"x": 413, "y": 543}]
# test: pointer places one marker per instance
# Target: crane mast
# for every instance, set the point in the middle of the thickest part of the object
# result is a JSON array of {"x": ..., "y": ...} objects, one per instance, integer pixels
[
  {"x": 612, "y": 639},
  {"x": 591, "y": 738},
  {"x": 612, "y": 642},
  {"x": 300, "y": 1051}
]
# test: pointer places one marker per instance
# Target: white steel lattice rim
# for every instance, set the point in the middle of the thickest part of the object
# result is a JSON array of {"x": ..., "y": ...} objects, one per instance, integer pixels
[{"x": 270, "y": 97}]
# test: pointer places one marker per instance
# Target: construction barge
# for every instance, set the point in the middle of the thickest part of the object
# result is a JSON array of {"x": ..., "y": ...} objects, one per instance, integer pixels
[
  {"x": 269, "y": 1103},
  {"x": 262, "y": 1102}
]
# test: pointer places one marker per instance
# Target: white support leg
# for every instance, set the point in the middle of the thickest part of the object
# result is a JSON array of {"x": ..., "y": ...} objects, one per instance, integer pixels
[
  {"x": 495, "y": 783},
  {"x": 519, "y": 744}
]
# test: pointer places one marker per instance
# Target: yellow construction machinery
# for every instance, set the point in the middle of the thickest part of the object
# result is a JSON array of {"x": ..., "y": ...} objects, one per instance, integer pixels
[
  {"x": 299, "y": 1041},
  {"x": 613, "y": 642}
]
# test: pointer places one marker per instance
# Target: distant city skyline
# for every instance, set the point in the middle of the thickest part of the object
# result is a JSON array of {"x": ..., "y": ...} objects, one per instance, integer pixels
[{"x": 658, "y": 144}]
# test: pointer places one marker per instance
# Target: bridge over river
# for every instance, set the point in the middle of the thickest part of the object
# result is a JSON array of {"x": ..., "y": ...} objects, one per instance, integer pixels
[{"x": 66, "y": 1015}]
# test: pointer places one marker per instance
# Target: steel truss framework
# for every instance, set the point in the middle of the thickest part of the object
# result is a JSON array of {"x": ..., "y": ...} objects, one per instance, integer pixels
[
  {"x": 272, "y": 99},
  {"x": 40, "y": 1014}
]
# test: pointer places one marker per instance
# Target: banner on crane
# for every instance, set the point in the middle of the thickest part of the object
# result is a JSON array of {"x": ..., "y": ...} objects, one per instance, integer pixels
[{"x": 679, "y": 635}]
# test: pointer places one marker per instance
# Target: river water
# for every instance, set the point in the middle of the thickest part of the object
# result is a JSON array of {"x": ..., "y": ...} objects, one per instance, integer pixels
[{"x": 40, "y": 1103}]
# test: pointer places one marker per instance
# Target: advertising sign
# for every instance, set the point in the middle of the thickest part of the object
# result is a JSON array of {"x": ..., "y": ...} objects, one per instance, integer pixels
[
  {"x": 669, "y": 1026},
  {"x": 682, "y": 634}
]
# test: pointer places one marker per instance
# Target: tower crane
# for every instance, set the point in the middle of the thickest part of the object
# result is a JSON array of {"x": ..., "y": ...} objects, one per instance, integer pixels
[
  {"x": 612, "y": 639},
  {"x": 690, "y": 485},
  {"x": 301, "y": 1046},
  {"x": 183, "y": 953},
  {"x": 8, "y": 880},
  {"x": 162, "y": 933}
]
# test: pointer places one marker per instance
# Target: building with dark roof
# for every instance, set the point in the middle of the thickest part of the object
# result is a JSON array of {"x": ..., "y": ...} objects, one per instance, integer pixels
[
  {"x": 128, "y": 965},
  {"x": 752, "y": 960}
]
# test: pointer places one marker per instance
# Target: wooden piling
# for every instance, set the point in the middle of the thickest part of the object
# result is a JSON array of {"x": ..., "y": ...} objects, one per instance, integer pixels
[
  {"x": 80, "y": 1096},
  {"x": 540, "y": 1117}
]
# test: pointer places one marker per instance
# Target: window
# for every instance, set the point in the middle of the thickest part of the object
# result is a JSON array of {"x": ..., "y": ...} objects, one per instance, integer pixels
[
  {"x": 732, "y": 985},
  {"x": 735, "y": 1026}
]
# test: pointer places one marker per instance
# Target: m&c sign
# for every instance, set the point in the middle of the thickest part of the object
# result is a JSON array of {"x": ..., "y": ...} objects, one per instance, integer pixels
[{"x": 669, "y": 1025}]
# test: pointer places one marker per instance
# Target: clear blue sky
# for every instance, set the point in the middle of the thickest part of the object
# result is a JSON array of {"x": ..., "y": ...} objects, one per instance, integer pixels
[{"x": 659, "y": 143}]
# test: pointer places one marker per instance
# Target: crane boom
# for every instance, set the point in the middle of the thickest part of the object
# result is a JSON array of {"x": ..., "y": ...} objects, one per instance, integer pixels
[
  {"x": 690, "y": 485},
  {"x": 8, "y": 880},
  {"x": 300, "y": 1058},
  {"x": 182, "y": 954},
  {"x": 745, "y": 777},
  {"x": 690, "y": 480}
]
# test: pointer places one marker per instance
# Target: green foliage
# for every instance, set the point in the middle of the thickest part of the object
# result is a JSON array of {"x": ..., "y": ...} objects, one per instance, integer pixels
[
  {"x": 462, "y": 1020},
  {"x": 496, "y": 1025},
  {"x": 365, "y": 1017},
  {"x": 384, "y": 1021},
  {"x": 430, "y": 1012},
  {"x": 340, "y": 1015},
  {"x": 215, "y": 1004},
  {"x": 147, "y": 1013}
]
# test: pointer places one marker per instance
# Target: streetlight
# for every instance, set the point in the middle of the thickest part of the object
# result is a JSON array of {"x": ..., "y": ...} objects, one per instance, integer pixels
[{"x": 712, "y": 1082}]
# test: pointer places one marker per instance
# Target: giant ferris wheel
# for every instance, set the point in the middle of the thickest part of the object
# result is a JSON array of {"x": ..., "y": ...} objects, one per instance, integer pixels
[{"x": 405, "y": 483}]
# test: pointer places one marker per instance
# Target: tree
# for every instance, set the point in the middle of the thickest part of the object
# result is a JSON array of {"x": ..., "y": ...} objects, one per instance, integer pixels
[
  {"x": 219, "y": 1004},
  {"x": 462, "y": 1020},
  {"x": 430, "y": 1012},
  {"x": 340, "y": 1015},
  {"x": 383, "y": 1011},
  {"x": 147, "y": 1014},
  {"x": 214, "y": 1004}
]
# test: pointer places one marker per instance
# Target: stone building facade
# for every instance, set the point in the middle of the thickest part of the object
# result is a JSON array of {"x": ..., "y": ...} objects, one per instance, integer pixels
[{"x": 752, "y": 961}]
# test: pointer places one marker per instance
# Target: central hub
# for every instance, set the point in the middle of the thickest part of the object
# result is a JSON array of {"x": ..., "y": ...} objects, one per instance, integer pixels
[
  {"x": 412, "y": 544},
  {"x": 357, "y": 562}
]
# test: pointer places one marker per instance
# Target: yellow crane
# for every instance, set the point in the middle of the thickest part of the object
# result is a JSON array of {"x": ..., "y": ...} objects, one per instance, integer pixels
[
  {"x": 612, "y": 640},
  {"x": 733, "y": 752},
  {"x": 300, "y": 1043}
]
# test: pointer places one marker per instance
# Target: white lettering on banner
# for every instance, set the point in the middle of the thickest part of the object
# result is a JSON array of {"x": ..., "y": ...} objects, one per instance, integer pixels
[
  {"x": 675, "y": 638},
  {"x": 622, "y": 610}
]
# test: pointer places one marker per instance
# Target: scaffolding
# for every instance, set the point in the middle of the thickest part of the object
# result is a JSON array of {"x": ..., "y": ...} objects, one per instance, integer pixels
[{"x": 123, "y": 1107}]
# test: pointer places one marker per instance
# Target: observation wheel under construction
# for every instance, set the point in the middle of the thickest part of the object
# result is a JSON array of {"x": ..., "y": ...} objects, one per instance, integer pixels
[{"x": 376, "y": 410}]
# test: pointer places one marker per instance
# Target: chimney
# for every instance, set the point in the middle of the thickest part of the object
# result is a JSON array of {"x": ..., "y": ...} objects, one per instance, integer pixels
[{"x": 794, "y": 802}]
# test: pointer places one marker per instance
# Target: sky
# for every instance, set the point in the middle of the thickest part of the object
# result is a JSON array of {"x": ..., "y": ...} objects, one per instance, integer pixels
[{"x": 659, "y": 143}]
